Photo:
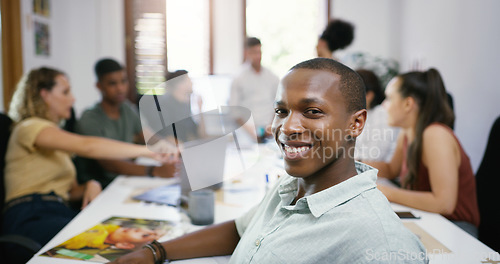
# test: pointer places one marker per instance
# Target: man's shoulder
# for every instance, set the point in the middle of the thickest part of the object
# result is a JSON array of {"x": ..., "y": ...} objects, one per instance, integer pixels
[
  {"x": 130, "y": 113},
  {"x": 92, "y": 112},
  {"x": 375, "y": 222},
  {"x": 90, "y": 119},
  {"x": 129, "y": 108},
  {"x": 242, "y": 73}
]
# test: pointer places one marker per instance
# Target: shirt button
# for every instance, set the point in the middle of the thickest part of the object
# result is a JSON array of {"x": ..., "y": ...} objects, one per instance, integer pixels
[{"x": 257, "y": 242}]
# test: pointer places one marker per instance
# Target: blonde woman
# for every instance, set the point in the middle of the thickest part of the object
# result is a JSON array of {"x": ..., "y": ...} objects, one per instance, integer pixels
[{"x": 39, "y": 174}]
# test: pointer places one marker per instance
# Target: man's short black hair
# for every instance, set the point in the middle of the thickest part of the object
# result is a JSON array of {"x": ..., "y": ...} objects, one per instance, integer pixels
[
  {"x": 351, "y": 84},
  {"x": 105, "y": 66},
  {"x": 251, "y": 42}
]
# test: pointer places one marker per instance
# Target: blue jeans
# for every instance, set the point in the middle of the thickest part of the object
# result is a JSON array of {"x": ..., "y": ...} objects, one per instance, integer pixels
[{"x": 37, "y": 219}]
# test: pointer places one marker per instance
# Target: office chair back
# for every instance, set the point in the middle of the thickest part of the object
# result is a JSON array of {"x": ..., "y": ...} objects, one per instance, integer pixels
[
  {"x": 488, "y": 182},
  {"x": 5, "y": 126},
  {"x": 30, "y": 245}
]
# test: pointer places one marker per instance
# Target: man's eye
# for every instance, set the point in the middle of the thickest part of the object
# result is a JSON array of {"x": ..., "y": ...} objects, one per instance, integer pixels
[
  {"x": 280, "y": 111},
  {"x": 313, "y": 111}
]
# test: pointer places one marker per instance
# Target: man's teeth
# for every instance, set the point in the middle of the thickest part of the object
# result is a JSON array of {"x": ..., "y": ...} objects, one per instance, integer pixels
[{"x": 296, "y": 149}]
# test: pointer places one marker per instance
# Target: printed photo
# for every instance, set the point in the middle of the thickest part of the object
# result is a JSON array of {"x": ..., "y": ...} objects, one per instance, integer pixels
[
  {"x": 41, "y": 7},
  {"x": 111, "y": 239},
  {"x": 42, "y": 39}
]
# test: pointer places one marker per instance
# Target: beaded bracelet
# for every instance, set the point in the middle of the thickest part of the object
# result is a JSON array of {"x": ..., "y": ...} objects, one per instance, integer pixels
[
  {"x": 163, "y": 252},
  {"x": 154, "y": 252}
]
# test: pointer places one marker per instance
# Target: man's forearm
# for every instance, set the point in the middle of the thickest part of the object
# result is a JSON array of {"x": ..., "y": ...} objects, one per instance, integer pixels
[{"x": 216, "y": 240}]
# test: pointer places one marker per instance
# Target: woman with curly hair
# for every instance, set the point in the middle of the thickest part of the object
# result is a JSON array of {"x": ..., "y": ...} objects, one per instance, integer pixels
[
  {"x": 40, "y": 177},
  {"x": 337, "y": 35}
]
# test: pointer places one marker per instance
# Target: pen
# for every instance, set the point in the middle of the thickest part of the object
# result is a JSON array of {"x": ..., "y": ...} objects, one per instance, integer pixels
[{"x": 267, "y": 182}]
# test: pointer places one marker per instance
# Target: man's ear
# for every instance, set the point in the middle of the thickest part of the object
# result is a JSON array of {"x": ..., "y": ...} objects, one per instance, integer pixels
[
  {"x": 358, "y": 121},
  {"x": 98, "y": 85}
]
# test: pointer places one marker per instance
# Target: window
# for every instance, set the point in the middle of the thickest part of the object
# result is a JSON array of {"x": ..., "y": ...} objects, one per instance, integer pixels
[
  {"x": 164, "y": 35},
  {"x": 150, "y": 51},
  {"x": 145, "y": 44},
  {"x": 288, "y": 30},
  {"x": 188, "y": 36}
]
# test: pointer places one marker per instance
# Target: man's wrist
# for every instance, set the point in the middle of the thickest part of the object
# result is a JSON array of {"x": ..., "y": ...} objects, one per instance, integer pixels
[
  {"x": 153, "y": 251},
  {"x": 162, "y": 252},
  {"x": 150, "y": 171}
]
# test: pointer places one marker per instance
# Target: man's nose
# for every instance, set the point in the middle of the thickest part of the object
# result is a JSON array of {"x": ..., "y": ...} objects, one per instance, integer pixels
[{"x": 292, "y": 124}]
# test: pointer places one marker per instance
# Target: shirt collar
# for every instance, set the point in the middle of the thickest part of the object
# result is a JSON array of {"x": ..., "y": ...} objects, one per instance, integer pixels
[{"x": 321, "y": 202}]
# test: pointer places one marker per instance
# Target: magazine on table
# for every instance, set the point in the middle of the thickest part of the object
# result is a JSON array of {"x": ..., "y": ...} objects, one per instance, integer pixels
[{"x": 112, "y": 238}]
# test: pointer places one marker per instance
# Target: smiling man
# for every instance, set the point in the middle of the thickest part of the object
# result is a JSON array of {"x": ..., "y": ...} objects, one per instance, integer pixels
[{"x": 327, "y": 209}]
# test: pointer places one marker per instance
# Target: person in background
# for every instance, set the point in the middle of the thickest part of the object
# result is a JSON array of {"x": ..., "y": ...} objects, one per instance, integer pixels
[
  {"x": 327, "y": 209},
  {"x": 113, "y": 117},
  {"x": 254, "y": 88},
  {"x": 434, "y": 170},
  {"x": 378, "y": 140},
  {"x": 40, "y": 177},
  {"x": 337, "y": 35},
  {"x": 176, "y": 107}
]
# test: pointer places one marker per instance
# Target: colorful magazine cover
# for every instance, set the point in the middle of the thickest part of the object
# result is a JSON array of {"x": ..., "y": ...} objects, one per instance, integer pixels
[{"x": 111, "y": 239}]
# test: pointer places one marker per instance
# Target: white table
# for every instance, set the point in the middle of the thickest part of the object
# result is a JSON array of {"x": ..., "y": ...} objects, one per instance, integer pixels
[
  {"x": 234, "y": 199},
  {"x": 464, "y": 247},
  {"x": 115, "y": 200}
]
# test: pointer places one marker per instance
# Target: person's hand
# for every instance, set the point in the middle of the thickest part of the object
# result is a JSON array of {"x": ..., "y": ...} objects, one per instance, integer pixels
[
  {"x": 167, "y": 170},
  {"x": 92, "y": 189},
  {"x": 142, "y": 256},
  {"x": 168, "y": 151}
]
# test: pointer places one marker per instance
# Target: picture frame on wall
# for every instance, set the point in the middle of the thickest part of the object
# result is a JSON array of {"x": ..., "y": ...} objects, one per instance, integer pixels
[
  {"x": 42, "y": 39},
  {"x": 41, "y": 7}
]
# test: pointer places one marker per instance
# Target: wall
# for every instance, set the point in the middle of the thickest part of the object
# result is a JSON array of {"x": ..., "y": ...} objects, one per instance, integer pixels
[
  {"x": 81, "y": 32},
  {"x": 228, "y": 36},
  {"x": 376, "y": 25},
  {"x": 461, "y": 39},
  {"x": 84, "y": 31},
  {"x": 458, "y": 37}
]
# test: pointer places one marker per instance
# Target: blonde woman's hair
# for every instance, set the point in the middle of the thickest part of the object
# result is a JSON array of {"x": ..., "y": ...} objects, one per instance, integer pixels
[{"x": 26, "y": 101}]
